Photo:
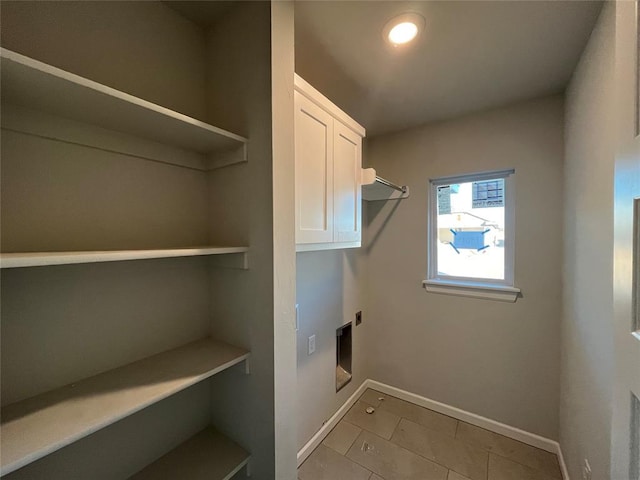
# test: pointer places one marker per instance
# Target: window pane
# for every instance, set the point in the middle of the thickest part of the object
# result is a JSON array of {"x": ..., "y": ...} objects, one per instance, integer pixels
[{"x": 470, "y": 229}]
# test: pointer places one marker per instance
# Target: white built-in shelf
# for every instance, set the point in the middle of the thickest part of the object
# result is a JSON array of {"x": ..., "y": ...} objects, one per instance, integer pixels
[
  {"x": 45, "y": 423},
  {"x": 36, "y": 85},
  {"x": 39, "y": 259},
  {"x": 208, "y": 455}
]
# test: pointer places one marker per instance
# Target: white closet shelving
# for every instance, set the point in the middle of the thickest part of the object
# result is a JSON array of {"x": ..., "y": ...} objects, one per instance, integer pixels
[
  {"x": 121, "y": 123},
  {"x": 40, "y": 425},
  {"x": 36, "y": 85}
]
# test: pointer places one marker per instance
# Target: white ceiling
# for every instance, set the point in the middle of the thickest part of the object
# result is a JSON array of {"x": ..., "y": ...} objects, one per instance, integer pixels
[{"x": 472, "y": 56}]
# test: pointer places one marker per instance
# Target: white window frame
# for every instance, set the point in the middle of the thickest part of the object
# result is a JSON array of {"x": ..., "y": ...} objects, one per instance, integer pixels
[{"x": 493, "y": 289}]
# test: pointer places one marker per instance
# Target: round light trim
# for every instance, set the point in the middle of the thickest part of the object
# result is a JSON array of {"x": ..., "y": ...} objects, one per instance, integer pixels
[{"x": 402, "y": 29}]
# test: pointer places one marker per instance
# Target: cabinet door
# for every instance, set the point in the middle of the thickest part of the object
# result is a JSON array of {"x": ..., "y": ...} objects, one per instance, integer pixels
[
  {"x": 314, "y": 172},
  {"x": 347, "y": 198}
]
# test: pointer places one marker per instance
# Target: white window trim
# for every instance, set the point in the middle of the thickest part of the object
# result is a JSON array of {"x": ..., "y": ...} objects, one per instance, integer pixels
[{"x": 501, "y": 290}]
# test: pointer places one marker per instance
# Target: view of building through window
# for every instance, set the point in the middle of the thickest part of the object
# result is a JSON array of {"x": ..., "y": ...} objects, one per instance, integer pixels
[{"x": 471, "y": 229}]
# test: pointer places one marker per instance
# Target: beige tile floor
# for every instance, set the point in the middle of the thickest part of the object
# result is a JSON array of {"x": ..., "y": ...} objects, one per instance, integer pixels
[{"x": 402, "y": 441}]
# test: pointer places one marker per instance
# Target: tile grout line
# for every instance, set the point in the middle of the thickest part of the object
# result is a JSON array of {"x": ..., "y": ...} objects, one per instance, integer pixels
[
  {"x": 527, "y": 466},
  {"x": 491, "y": 452},
  {"x": 401, "y": 448},
  {"x": 396, "y": 427},
  {"x": 343, "y": 456},
  {"x": 479, "y": 447},
  {"x": 488, "y": 455},
  {"x": 400, "y": 417},
  {"x": 508, "y": 431},
  {"x": 431, "y": 430},
  {"x": 431, "y": 459},
  {"x": 356, "y": 437},
  {"x": 455, "y": 436},
  {"x": 354, "y": 440},
  {"x": 466, "y": 442}
]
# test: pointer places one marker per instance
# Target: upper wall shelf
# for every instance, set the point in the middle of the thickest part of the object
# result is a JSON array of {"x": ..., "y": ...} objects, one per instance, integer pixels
[
  {"x": 45, "y": 423},
  {"x": 40, "y": 259},
  {"x": 377, "y": 188},
  {"x": 35, "y": 85}
]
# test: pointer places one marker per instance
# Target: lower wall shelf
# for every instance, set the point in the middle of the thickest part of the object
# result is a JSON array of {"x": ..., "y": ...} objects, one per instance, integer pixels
[
  {"x": 208, "y": 455},
  {"x": 40, "y": 425}
]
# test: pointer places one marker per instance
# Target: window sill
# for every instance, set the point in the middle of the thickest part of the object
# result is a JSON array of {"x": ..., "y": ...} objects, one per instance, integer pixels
[{"x": 500, "y": 293}]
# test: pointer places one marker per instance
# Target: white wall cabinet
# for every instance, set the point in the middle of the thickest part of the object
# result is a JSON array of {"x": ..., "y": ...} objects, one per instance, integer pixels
[
  {"x": 328, "y": 173},
  {"x": 314, "y": 172}
]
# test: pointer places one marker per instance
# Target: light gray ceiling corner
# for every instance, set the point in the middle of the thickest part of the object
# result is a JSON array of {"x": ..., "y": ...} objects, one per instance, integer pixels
[
  {"x": 317, "y": 65},
  {"x": 202, "y": 13},
  {"x": 473, "y": 56}
]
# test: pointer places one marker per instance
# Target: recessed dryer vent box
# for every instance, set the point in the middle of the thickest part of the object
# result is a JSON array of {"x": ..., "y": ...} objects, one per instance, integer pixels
[{"x": 343, "y": 356}]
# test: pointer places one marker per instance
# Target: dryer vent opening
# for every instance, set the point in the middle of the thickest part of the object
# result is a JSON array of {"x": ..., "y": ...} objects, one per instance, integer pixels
[{"x": 343, "y": 356}]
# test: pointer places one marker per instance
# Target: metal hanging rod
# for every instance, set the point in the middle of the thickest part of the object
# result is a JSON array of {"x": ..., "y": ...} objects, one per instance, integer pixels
[{"x": 399, "y": 188}]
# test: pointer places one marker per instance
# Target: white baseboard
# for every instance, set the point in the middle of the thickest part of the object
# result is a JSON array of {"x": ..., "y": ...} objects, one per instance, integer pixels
[
  {"x": 457, "y": 413},
  {"x": 317, "y": 439},
  {"x": 477, "y": 420}
]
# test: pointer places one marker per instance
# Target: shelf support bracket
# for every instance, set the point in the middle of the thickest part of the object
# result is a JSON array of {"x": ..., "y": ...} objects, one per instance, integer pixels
[
  {"x": 226, "y": 158},
  {"x": 230, "y": 260}
]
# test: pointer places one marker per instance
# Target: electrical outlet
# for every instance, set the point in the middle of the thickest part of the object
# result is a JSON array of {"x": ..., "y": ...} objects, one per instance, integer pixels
[
  {"x": 358, "y": 318},
  {"x": 312, "y": 344},
  {"x": 586, "y": 470}
]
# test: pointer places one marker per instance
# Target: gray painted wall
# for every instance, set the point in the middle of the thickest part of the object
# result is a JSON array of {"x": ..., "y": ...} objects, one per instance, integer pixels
[
  {"x": 587, "y": 336},
  {"x": 498, "y": 360},
  {"x": 330, "y": 289},
  {"x": 330, "y": 285},
  {"x": 143, "y": 48},
  {"x": 239, "y": 99},
  {"x": 82, "y": 198}
]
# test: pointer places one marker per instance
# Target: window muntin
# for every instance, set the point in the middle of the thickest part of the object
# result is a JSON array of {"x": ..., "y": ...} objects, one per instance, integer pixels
[{"x": 471, "y": 229}]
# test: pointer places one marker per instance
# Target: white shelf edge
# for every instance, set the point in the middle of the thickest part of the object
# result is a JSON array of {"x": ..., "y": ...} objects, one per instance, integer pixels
[
  {"x": 39, "y": 259},
  {"x": 40, "y": 425},
  {"x": 116, "y": 96},
  {"x": 209, "y": 449},
  {"x": 312, "y": 247},
  {"x": 231, "y": 474},
  {"x": 501, "y": 293}
]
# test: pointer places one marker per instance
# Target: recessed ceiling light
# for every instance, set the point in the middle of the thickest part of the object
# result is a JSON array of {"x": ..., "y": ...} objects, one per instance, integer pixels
[
  {"x": 402, "y": 29},
  {"x": 403, "y": 32}
]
